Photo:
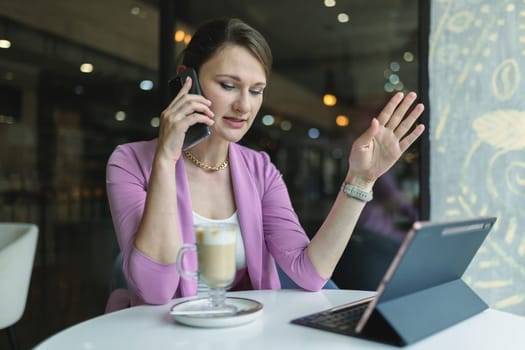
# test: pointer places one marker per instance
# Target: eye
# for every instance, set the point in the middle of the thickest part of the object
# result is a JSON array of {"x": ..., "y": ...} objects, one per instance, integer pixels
[
  {"x": 256, "y": 91},
  {"x": 227, "y": 86}
]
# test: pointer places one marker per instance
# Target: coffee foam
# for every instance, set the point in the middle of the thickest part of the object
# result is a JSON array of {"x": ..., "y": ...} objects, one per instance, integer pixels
[{"x": 215, "y": 235}]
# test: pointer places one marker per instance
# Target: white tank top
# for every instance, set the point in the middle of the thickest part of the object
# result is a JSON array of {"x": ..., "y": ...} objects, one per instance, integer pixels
[{"x": 240, "y": 257}]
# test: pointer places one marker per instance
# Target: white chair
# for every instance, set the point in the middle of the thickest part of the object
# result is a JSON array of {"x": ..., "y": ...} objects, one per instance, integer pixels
[{"x": 17, "y": 252}]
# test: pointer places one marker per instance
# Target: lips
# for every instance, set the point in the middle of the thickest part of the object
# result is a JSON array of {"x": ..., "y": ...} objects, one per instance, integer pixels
[{"x": 234, "y": 122}]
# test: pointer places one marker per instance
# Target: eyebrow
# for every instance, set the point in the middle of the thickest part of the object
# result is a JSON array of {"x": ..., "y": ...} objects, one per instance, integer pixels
[{"x": 236, "y": 78}]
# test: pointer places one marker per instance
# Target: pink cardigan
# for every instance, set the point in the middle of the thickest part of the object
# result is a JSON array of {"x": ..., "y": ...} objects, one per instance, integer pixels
[{"x": 269, "y": 225}]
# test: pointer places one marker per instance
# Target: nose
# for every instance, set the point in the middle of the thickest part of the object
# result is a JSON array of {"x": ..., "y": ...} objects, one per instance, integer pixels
[{"x": 242, "y": 103}]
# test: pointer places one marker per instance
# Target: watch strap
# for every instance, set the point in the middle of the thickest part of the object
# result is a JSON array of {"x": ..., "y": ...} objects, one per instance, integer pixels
[{"x": 356, "y": 192}]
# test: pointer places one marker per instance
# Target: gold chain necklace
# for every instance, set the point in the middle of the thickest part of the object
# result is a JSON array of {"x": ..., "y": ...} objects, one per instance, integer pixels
[{"x": 205, "y": 166}]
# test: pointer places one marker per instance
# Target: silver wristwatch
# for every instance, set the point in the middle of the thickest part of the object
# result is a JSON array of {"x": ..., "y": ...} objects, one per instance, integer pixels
[{"x": 357, "y": 193}]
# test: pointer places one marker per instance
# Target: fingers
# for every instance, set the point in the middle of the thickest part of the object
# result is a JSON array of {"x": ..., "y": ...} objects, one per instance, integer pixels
[
  {"x": 191, "y": 105},
  {"x": 188, "y": 112},
  {"x": 184, "y": 111},
  {"x": 399, "y": 113},
  {"x": 389, "y": 109},
  {"x": 395, "y": 109},
  {"x": 394, "y": 117},
  {"x": 183, "y": 92},
  {"x": 408, "y": 140},
  {"x": 185, "y": 88},
  {"x": 409, "y": 121},
  {"x": 185, "y": 104}
]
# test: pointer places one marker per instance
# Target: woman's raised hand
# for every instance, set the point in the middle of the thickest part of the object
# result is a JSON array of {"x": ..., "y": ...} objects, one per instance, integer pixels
[
  {"x": 183, "y": 111},
  {"x": 385, "y": 140}
]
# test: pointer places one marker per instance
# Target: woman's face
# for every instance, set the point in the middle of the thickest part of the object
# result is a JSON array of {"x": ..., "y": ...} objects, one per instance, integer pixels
[{"x": 233, "y": 80}]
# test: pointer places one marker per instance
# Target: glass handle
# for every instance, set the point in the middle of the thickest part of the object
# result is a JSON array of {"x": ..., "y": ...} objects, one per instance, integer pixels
[{"x": 183, "y": 273}]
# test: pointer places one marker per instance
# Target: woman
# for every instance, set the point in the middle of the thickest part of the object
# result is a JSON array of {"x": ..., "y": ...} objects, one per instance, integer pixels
[{"x": 156, "y": 191}]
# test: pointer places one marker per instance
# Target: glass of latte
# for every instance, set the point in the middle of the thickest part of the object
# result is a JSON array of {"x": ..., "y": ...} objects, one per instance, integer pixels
[{"x": 215, "y": 247}]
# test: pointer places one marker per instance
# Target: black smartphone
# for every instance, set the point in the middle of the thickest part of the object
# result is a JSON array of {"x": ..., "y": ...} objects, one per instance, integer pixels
[{"x": 197, "y": 132}]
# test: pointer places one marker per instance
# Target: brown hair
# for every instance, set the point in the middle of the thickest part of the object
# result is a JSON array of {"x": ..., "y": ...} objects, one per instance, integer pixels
[{"x": 215, "y": 34}]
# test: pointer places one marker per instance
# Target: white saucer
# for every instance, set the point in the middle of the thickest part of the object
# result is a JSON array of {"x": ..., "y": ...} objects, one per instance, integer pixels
[{"x": 186, "y": 313}]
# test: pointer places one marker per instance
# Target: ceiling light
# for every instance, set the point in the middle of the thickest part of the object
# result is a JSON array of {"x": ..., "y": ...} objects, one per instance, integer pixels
[
  {"x": 313, "y": 133},
  {"x": 146, "y": 85},
  {"x": 394, "y": 79},
  {"x": 342, "y": 120},
  {"x": 120, "y": 116},
  {"x": 86, "y": 67},
  {"x": 179, "y": 35},
  {"x": 329, "y": 3},
  {"x": 343, "y": 17},
  {"x": 329, "y": 100},
  {"x": 395, "y": 66},
  {"x": 135, "y": 11},
  {"x": 268, "y": 120},
  {"x": 408, "y": 56},
  {"x": 5, "y": 44},
  {"x": 286, "y": 125},
  {"x": 187, "y": 39},
  {"x": 155, "y": 122}
]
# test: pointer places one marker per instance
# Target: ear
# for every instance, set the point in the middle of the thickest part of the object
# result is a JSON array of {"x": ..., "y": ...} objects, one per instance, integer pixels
[{"x": 181, "y": 68}]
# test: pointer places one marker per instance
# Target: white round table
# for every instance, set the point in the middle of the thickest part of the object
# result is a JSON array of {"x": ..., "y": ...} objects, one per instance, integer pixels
[{"x": 151, "y": 327}]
